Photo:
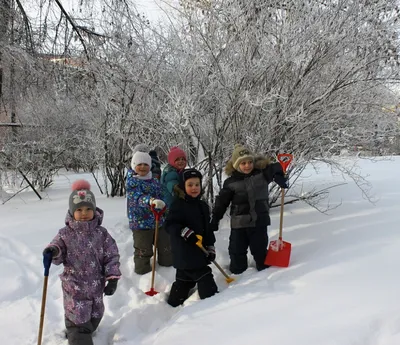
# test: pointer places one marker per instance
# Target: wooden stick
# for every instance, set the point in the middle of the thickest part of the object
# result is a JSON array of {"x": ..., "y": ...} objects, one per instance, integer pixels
[
  {"x": 42, "y": 310},
  {"x": 153, "y": 271}
]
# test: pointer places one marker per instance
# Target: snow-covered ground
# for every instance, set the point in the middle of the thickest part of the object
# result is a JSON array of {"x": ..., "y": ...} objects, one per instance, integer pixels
[{"x": 341, "y": 287}]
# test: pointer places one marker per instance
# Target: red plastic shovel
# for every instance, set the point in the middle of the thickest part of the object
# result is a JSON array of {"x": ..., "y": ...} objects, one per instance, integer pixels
[
  {"x": 279, "y": 250},
  {"x": 157, "y": 215}
]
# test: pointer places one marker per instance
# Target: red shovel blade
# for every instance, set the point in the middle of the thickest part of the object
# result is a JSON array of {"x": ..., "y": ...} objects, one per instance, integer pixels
[
  {"x": 151, "y": 292},
  {"x": 285, "y": 159},
  {"x": 278, "y": 255}
]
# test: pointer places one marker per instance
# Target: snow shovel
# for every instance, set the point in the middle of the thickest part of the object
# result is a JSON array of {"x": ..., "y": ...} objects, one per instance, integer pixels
[
  {"x": 46, "y": 263},
  {"x": 157, "y": 215},
  {"x": 279, "y": 250},
  {"x": 200, "y": 245}
]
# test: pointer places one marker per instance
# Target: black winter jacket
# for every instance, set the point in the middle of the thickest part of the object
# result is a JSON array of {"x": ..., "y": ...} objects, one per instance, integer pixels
[
  {"x": 194, "y": 214},
  {"x": 247, "y": 194}
]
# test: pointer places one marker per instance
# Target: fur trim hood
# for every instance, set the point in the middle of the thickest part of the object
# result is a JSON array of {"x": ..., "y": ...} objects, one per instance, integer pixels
[{"x": 260, "y": 162}]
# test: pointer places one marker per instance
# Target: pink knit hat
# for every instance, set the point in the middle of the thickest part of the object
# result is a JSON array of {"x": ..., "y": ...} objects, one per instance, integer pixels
[{"x": 174, "y": 153}]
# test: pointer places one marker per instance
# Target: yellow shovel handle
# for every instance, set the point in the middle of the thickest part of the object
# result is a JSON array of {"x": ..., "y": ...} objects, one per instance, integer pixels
[{"x": 199, "y": 244}]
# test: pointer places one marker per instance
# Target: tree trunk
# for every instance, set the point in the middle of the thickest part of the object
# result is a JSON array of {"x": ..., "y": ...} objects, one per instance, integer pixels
[{"x": 4, "y": 25}]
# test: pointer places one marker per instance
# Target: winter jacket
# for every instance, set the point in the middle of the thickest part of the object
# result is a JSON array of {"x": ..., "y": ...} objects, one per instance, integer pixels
[
  {"x": 169, "y": 178},
  {"x": 90, "y": 257},
  {"x": 194, "y": 214},
  {"x": 155, "y": 164},
  {"x": 138, "y": 194},
  {"x": 247, "y": 194}
]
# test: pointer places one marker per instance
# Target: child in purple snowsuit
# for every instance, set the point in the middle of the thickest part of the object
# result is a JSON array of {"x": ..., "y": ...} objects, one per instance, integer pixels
[{"x": 90, "y": 258}]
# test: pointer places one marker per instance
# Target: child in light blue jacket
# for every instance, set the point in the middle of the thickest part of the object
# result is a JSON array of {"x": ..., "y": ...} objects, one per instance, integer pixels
[{"x": 170, "y": 175}]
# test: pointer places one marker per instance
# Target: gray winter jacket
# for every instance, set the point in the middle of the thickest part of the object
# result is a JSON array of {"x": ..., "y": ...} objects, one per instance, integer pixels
[{"x": 247, "y": 194}]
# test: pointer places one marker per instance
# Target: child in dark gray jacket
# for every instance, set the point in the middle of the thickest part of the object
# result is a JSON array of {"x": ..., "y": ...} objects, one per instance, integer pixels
[{"x": 246, "y": 190}]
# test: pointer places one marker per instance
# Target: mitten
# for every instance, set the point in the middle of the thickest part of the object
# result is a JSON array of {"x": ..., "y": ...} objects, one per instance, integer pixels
[
  {"x": 53, "y": 250},
  {"x": 179, "y": 192},
  {"x": 189, "y": 236},
  {"x": 281, "y": 180},
  {"x": 157, "y": 203},
  {"x": 111, "y": 287},
  {"x": 211, "y": 253}
]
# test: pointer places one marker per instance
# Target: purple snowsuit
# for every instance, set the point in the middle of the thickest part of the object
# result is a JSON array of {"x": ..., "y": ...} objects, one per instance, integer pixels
[{"x": 90, "y": 257}]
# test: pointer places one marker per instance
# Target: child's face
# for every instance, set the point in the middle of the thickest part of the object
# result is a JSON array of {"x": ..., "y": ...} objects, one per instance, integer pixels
[
  {"x": 142, "y": 169},
  {"x": 247, "y": 166},
  {"x": 180, "y": 163},
  {"x": 193, "y": 187},
  {"x": 83, "y": 214}
]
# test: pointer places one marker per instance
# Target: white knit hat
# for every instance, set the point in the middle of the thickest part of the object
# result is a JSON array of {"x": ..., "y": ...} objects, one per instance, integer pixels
[{"x": 140, "y": 158}]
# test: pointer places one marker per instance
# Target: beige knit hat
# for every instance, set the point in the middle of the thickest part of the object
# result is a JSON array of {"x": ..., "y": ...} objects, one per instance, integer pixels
[{"x": 241, "y": 153}]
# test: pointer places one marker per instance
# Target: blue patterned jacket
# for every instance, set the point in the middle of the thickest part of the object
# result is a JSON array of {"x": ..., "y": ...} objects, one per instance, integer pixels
[{"x": 138, "y": 193}]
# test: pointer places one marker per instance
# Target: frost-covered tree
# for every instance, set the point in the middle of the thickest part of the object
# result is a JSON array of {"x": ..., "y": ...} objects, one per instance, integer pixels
[
  {"x": 29, "y": 94},
  {"x": 306, "y": 77},
  {"x": 126, "y": 70}
]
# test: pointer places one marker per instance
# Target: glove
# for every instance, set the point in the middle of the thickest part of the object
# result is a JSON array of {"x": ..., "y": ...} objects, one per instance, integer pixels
[
  {"x": 53, "y": 250},
  {"x": 189, "y": 236},
  {"x": 157, "y": 203},
  {"x": 211, "y": 253},
  {"x": 214, "y": 225},
  {"x": 111, "y": 287},
  {"x": 281, "y": 180},
  {"x": 179, "y": 192}
]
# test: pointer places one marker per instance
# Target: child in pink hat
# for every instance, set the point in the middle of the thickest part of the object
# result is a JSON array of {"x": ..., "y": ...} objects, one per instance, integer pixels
[
  {"x": 90, "y": 258},
  {"x": 170, "y": 175}
]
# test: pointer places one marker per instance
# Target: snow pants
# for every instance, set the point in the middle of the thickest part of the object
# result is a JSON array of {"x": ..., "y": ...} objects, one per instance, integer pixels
[
  {"x": 81, "y": 334},
  {"x": 186, "y": 280},
  {"x": 83, "y": 300},
  {"x": 240, "y": 240},
  {"x": 143, "y": 249}
]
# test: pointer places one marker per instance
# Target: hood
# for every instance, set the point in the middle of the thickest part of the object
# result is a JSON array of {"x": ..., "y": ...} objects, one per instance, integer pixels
[{"x": 90, "y": 225}]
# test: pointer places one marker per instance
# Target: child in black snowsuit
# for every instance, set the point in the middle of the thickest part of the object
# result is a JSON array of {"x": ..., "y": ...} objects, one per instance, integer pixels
[
  {"x": 246, "y": 190},
  {"x": 188, "y": 217}
]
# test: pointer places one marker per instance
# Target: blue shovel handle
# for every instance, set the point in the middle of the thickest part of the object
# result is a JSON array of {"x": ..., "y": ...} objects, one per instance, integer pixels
[{"x": 47, "y": 258}]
